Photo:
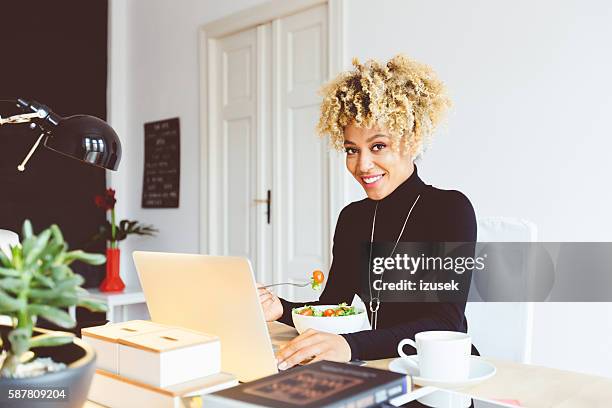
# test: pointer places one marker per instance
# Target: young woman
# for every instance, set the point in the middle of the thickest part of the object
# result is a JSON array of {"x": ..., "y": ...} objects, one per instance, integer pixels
[{"x": 381, "y": 116}]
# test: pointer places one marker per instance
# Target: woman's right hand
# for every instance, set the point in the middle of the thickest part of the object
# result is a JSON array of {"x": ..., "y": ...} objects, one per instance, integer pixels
[{"x": 270, "y": 304}]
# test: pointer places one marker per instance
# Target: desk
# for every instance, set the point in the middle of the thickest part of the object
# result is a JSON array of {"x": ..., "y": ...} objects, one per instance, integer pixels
[{"x": 533, "y": 386}]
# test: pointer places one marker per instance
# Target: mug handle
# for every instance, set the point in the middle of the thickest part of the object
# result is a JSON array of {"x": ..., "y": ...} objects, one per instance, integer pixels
[{"x": 405, "y": 356}]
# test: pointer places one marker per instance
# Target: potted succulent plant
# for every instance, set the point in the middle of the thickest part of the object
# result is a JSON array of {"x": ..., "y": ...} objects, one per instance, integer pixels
[{"x": 36, "y": 281}]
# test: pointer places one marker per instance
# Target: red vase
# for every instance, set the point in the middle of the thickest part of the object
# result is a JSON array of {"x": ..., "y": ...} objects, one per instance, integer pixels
[{"x": 112, "y": 282}]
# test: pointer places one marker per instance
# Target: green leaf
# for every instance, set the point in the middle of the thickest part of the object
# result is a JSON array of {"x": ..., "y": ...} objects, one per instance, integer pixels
[
  {"x": 10, "y": 272},
  {"x": 64, "y": 300},
  {"x": 123, "y": 229},
  {"x": 45, "y": 294},
  {"x": 93, "y": 305},
  {"x": 10, "y": 304},
  {"x": 38, "y": 247},
  {"x": 51, "y": 339},
  {"x": 53, "y": 314},
  {"x": 27, "y": 244},
  {"x": 27, "y": 229},
  {"x": 59, "y": 272},
  {"x": 70, "y": 283},
  {"x": 64, "y": 293},
  {"x": 79, "y": 255},
  {"x": 52, "y": 250},
  {"x": 54, "y": 297},
  {"x": 4, "y": 259},
  {"x": 41, "y": 294},
  {"x": 104, "y": 233},
  {"x": 42, "y": 279},
  {"x": 122, "y": 224},
  {"x": 11, "y": 285},
  {"x": 17, "y": 257},
  {"x": 57, "y": 234}
]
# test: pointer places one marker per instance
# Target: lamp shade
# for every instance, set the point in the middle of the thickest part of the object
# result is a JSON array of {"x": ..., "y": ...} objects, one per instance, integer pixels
[{"x": 86, "y": 138}]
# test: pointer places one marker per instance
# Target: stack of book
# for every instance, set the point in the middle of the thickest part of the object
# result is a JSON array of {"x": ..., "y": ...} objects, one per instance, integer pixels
[
  {"x": 146, "y": 364},
  {"x": 115, "y": 391},
  {"x": 323, "y": 384}
]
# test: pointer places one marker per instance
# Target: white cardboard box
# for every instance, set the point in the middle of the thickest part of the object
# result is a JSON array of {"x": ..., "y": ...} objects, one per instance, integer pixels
[
  {"x": 168, "y": 357},
  {"x": 105, "y": 340},
  {"x": 114, "y": 391}
]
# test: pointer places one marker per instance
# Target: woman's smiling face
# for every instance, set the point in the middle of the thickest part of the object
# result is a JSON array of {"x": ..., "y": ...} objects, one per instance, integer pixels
[{"x": 373, "y": 162}]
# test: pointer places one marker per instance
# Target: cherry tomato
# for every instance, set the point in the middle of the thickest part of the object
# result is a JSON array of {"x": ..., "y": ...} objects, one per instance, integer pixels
[
  {"x": 306, "y": 312},
  {"x": 329, "y": 312},
  {"x": 318, "y": 276},
  {"x": 340, "y": 312}
]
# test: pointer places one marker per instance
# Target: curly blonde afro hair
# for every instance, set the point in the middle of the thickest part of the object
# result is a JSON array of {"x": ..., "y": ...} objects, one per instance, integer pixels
[{"x": 404, "y": 96}]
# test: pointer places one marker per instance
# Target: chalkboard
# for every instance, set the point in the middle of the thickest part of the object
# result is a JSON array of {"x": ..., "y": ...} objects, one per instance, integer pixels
[{"x": 162, "y": 164}]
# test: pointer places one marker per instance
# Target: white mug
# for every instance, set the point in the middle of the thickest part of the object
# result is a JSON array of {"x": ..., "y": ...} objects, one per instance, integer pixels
[{"x": 443, "y": 355}]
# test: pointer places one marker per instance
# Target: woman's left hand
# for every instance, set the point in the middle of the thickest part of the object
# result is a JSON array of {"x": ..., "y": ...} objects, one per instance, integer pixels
[{"x": 313, "y": 343}]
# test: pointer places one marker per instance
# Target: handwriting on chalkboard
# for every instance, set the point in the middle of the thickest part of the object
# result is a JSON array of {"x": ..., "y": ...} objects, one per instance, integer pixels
[{"x": 162, "y": 164}]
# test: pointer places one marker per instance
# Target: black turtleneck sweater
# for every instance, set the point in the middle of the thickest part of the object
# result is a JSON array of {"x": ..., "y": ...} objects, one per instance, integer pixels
[{"x": 439, "y": 216}]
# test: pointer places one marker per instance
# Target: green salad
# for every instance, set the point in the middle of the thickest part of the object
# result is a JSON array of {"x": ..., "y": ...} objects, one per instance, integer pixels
[{"x": 341, "y": 310}]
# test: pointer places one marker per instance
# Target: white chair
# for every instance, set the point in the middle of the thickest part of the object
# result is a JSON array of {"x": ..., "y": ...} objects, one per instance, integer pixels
[{"x": 503, "y": 329}]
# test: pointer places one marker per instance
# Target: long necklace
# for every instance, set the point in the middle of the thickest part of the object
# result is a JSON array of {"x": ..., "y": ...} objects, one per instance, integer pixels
[{"x": 375, "y": 306}]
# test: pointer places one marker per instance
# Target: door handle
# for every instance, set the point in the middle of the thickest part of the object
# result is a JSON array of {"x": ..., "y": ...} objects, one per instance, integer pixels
[{"x": 268, "y": 202}]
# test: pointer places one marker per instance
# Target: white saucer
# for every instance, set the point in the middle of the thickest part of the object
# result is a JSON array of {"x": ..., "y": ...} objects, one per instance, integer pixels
[{"x": 480, "y": 370}]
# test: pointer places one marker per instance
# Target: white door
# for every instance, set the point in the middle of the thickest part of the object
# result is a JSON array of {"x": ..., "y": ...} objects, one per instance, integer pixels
[
  {"x": 233, "y": 185},
  {"x": 265, "y": 81},
  {"x": 302, "y": 167}
]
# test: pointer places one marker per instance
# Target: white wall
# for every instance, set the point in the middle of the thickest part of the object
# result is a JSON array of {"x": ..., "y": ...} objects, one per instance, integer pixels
[
  {"x": 529, "y": 135},
  {"x": 154, "y": 75}
]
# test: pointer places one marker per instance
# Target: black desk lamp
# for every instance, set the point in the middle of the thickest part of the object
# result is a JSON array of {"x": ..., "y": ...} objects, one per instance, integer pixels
[{"x": 82, "y": 137}]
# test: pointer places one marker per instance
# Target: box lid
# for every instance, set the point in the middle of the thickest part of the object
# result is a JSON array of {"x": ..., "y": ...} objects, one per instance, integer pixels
[
  {"x": 167, "y": 340},
  {"x": 114, "y": 331}
]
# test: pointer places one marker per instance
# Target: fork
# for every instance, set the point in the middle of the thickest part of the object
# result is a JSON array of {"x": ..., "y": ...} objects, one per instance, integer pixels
[{"x": 299, "y": 285}]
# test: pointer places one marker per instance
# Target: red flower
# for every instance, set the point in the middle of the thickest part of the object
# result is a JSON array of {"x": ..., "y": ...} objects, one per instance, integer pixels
[{"x": 106, "y": 201}]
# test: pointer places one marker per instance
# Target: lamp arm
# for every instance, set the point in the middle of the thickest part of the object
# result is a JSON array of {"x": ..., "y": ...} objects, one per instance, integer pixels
[
  {"x": 21, "y": 118},
  {"x": 36, "y": 112},
  {"x": 11, "y": 100},
  {"x": 33, "y": 111}
]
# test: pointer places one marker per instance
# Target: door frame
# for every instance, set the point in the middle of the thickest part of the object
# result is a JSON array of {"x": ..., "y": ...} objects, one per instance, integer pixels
[{"x": 208, "y": 36}]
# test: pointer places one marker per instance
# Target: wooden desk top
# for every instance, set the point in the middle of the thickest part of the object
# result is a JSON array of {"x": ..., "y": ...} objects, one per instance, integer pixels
[{"x": 532, "y": 386}]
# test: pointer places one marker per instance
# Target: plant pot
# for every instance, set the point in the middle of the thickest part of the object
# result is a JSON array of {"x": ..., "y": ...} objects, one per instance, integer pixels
[
  {"x": 74, "y": 380},
  {"x": 112, "y": 282}
]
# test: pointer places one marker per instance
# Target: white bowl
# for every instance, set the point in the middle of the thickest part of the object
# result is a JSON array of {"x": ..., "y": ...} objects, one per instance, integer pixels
[{"x": 333, "y": 324}]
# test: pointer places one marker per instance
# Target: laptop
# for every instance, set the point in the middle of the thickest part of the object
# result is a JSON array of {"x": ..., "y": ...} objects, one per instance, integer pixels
[{"x": 215, "y": 295}]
